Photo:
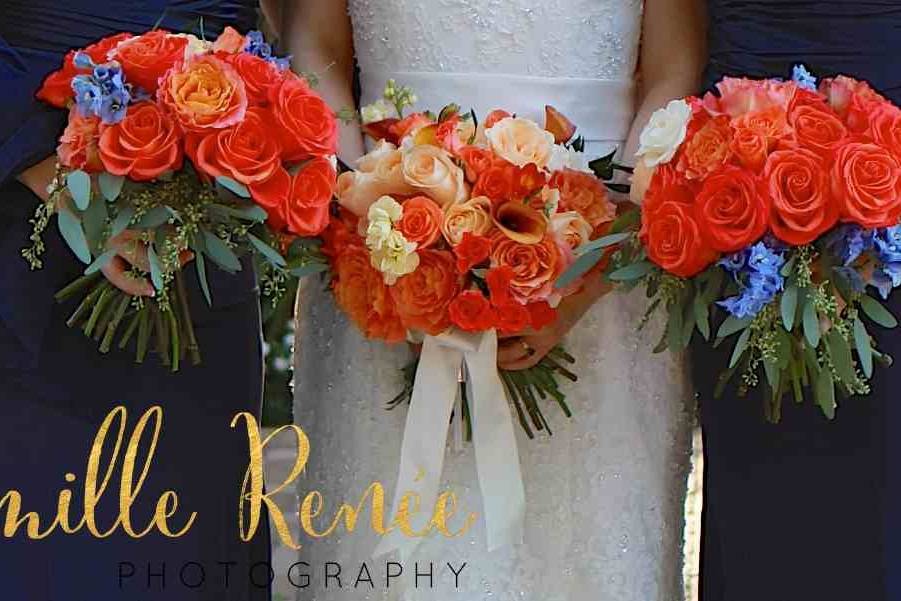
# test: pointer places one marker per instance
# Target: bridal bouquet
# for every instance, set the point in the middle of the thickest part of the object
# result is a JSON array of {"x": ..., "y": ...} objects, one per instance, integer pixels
[
  {"x": 452, "y": 225},
  {"x": 258, "y": 179},
  {"x": 775, "y": 204}
]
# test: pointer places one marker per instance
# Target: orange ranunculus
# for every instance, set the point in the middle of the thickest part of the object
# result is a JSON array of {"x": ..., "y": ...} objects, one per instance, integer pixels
[
  {"x": 496, "y": 181},
  {"x": 229, "y": 41},
  {"x": 421, "y": 221},
  {"x": 475, "y": 161},
  {"x": 143, "y": 146},
  {"x": 260, "y": 76},
  {"x": 585, "y": 194},
  {"x": 423, "y": 296},
  {"x": 732, "y": 209},
  {"x": 512, "y": 318},
  {"x": 535, "y": 266},
  {"x": 471, "y": 312},
  {"x": 361, "y": 292},
  {"x": 307, "y": 211},
  {"x": 707, "y": 150},
  {"x": 866, "y": 180},
  {"x": 204, "y": 93},
  {"x": 471, "y": 251},
  {"x": 817, "y": 128},
  {"x": 307, "y": 127},
  {"x": 247, "y": 152},
  {"x": 147, "y": 57},
  {"x": 499, "y": 279},
  {"x": 79, "y": 145},
  {"x": 803, "y": 207},
  {"x": 57, "y": 87},
  {"x": 886, "y": 129},
  {"x": 674, "y": 242}
]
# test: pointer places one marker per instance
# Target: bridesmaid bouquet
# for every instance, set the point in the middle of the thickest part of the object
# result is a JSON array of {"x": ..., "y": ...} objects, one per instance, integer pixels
[
  {"x": 452, "y": 225},
  {"x": 773, "y": 209},
  {"x": 258, "y": 178}
]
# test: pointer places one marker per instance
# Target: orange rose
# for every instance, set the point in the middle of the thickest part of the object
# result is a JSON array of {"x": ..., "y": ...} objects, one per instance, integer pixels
[
  {"x": 853, "y": 100},
  {"x": 361, "y": 293},
  {"x": 667, "y": 185},
  {"x": 57, "y": 87},
  {"x": 535, "y": 266},
  {"x": 750, "y": 147},
  {"x": 756, "y": 134},
  {"x": 471, "y": 312},
  {"x": 260, "y": 76},
  {"x": 499, "y": 280},
  {"x": 146, "y": 58},
  {"x": 475, "y": 161},
  {"x": 817, "y": 128},
  {"x": 247, "y": 152},
  {"x": 886, "y": 128},
  {"x": 803, "y": 207},
  {"x": 143, "y": 146},
  {"x": 421, "y": 221},
  {"x": 866, "y": 179},
  {"x": 204, "y": 93},
  {"x": 496, "y": 182},
  {"x": 732, "y": 209},
  {"x": 307, "y": 211},
  {"x": 78, "y": 146},
  {"x": 707, "y": 150},
  {"x": 541, "y": 315},
  {"x": 307, "y": 127},
  {"x": 513, "y": 318},
  {"x": 423, "y": 296},
  {"x": 471, "y": 251},
  {"x": 585, "y": 194},
  {"x": 674, "y": 242}
]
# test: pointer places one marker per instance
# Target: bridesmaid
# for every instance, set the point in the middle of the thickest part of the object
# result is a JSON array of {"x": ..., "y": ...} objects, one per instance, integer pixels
[
  {"x": 55, "y": 388},
  {"x": 808, "y": 508}
]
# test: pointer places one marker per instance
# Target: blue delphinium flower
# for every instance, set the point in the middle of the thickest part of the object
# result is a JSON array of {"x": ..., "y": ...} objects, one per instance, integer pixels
[
  {"x": 103, "y": 93},
  {"x": 256, "y": 45},
  {"x": 88, "y": 95},
  {"x": 83, "y": 60},
  {"x": 803, "y": 77},
  {"x": 757, "y": 272},
  {"x": 887, "y": 251},
  {"x": 849, "y": 241}
]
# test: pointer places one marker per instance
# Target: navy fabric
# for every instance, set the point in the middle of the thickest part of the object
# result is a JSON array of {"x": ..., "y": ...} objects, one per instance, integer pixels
[
  {"x": 55, "y": 387},
  {"x": 807, "y": 508}
]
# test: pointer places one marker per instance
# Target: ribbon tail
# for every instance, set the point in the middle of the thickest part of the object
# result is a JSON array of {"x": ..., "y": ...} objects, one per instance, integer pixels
[
  {"x": 494, "y": 440},
  {"x": 425, "y": 438}
]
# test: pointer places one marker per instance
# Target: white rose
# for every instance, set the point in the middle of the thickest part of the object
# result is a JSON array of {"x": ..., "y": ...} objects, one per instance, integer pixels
[
  {"x": 567, "y": 158},
  {"x": 521, "y": 142},
  {"x": 664, "y": 133}
]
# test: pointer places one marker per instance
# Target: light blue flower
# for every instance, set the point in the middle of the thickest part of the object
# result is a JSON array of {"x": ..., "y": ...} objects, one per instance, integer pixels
[
  {"x": 765, "y": 260},
  {"x": 114, "y": 106},
  {"x": 849, "y": 241},
  {"x": 735, "y": 262},
  {"x": 256, "y": 45},
  {"x": 757, "y": 272},
  {"x": 88, "y": 95},
  {"x": 83, "y": 60},
  {"x": 803, "y": 77},
  {"x": 887, "y": 243}
]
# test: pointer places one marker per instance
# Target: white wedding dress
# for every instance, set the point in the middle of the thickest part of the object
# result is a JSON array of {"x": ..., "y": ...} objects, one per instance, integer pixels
[{"x": 605, "y": 493}]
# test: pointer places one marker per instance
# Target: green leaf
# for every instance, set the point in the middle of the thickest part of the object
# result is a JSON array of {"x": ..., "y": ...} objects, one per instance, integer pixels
[
  {"x": 580, "y": 267},
  {"x": 789, "y": 267},
  {"x": 877, "y": 312},
  {"x": 272, "y": 255},
  {"x": 154, "y": 218},
  {"x": 674, "y": 326},
  {"x": 603, "y": 242},
  {"x": 702, "y": 316},
  {"x": 121, "y": 222},
  {"x": 825, "y": 393},
  {"x": 773, "y": 374},
  {"x": 200, "y": 264},
  {"x": 864, "y": 347},
  {"x": 220, "y": 253},
  {"x": 840, "y": 351},
  {"x": 249, "y": 213},
  {"x": 100, "y": 262},
  {"x": 740, "y": 348},
  {"x": 789, "y": 306},
  {"x": 632, "y": 272},
  {"x": 732, "y": 325},
  {"x": 72, "y": 232},
  {"x": 79, "y": 184},
  {"x": 627, "y": 221},
  {"x": 811, "y": 323},
  {"x": 156, "y": 268},
  {"x": 309, "y": 269},
  {"x": 111, "y": 185},
  {"x": 232, "y": 186},
  {"x": 94, "y": 220}
]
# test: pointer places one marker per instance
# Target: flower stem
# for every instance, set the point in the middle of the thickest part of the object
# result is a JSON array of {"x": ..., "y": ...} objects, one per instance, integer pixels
[
  {"x": 187, "y": 322},
  {"x": 113, "y": 325},
  {"x": 75, "y": 286}
]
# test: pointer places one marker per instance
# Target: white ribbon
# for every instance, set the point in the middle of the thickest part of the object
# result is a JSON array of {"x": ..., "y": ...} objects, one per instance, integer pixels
[{"x": 425, "y": 437}]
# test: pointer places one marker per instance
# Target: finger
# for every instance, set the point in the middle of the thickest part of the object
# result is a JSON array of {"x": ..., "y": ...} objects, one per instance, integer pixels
[
  {"x": 537, "y": 347},
  {"x": 116, "y": 271},
  {"x": 131, "y": 247},
  {"x": 511, "y": 351}
]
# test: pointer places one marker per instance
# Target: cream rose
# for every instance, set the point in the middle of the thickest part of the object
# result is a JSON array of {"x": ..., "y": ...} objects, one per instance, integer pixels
[
  {"x": 570, "y": 229},
  {"x": 521, "y": 142},
  {"x": 567, "y": 158},
  {"x": 431, "y": 171},
  {"x": 473, "y": 216},
  {"x": 664, "y": 133},
  {"x": 380, "y": 174}
]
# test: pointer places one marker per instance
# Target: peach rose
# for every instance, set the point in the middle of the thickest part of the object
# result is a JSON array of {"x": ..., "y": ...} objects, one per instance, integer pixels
[
  {"x": 473, "y": 216},
  {"x": 853, "y": 100},
  {"x": 570, "y": 229},
  {"x": 229, "y": 41},
  {"x": 585, "y": 194},
  {"x": 521, "y": 142},
  {"x": 204, "y": 93},
  {"x": 431, "y": 171},
  {"x": 535, "y": 266},
  {"x": 380, "y": 174},
  {"x": 421, "y": 221},
  {"x": 79, "y": 145},
  {"x": 740, "y": 96},
  {"x": 362, "y": 294},
  {"x": 422, "y": 297}
]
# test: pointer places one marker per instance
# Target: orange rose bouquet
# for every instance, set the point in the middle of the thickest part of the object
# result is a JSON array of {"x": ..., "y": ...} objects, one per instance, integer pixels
[
  {"x": 770, "y": 213},
  {"x": 201, "y": 151},
  {"x": 452, "y": 226}
]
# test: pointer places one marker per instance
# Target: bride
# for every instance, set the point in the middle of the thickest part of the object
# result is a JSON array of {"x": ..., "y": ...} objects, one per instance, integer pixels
[{"x": 604, "y": 494}]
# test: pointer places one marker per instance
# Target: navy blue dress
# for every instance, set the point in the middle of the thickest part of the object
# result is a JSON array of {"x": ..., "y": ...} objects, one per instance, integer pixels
[
  {"x": 55, "y": 388},
  {"x": 807, "y": 509}
]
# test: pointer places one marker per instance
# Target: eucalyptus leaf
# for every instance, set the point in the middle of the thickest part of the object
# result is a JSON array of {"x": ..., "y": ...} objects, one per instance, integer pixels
[
  {"x": 732, "y": 325},
  {"x": 689, "y": 321},
  {"x": 154, "y": 218},
  {"x": 772, "y": 375},
  {"x": 864, "y": 347},
  {"x": 811, "y": 323},
  {"x": 740, "y": 348},
  {"x": 100, "y": 262},
  {"x": 603, "y": 242},
  {"x": 72, "y": 232},
  {"x": 121, "y": 222},
  {"x": 220, "y": 253},
  {"x": 878, "y": 313},
  {"x": 840, "y": 351},
  {"x": 94, "y": 220},
  {"x": 200, "y": 264},
  {"x": 789, "y": 306},
  {"x": 249, "y": 213},
  {"x": 580, "y": 267},
  {"x": 156, "y": 268},
  {"x": 309, "y": 269},
  {"x": 232, "y": 186},
  {"x": 79, "y": 184},
  {"x": 111, "y": 185},
  {"x": 789, "y": 267},
  {"x": 626, "y": 221},
  {"x": 702, "y": 316},
  {"x": 632, "y": 272},
  {"x": 272, "y": 255},
  {"x": 825, "y": 393}
]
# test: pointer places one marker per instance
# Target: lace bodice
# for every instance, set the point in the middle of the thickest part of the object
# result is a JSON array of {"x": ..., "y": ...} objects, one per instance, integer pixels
[{"x": 595, "y": 39}]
